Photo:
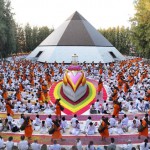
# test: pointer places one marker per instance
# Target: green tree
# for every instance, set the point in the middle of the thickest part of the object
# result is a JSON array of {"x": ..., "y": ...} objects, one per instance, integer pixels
[
  {"x": 119, "y": 37},
  {"x": 20, "y": 39},
  {"x": 7, "y": 29},
  {"x": 140, "y": 27},
  {"x": 28, "y": 37}
]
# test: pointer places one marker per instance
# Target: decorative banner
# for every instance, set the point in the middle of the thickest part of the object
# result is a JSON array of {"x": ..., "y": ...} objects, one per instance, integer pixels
[{"x": 71, "y": 107}]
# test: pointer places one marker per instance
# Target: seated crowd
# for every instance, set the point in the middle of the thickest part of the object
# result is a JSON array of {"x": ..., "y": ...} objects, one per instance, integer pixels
[{"x": 24, "y": 87}]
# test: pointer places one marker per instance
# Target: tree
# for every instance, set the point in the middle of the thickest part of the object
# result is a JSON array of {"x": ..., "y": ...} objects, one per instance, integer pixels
[
  {"x": 20, "y": 39},
  {"x": 119, "y": 37},
  {"x": 28, "y": 37},
  {"x": 140, "y": 27},
  {"x": 7, "y": 29}
]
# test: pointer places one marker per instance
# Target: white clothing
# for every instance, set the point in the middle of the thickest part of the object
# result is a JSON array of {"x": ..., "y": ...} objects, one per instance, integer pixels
[
  {"x": 35, "y": 146},
  {"x": 76, "y": 130},
  {"x": 142, "y": 146},
  {"x": 48, "y": 122},
  {"x": 112, "y": 122},
  {"x": 73, "y": 121},
  {"x": 90, "y": 148},
  {"x": 79, "y": 145},
  {"x": 55, "y": 147},
  {"x": 1, "y": 143},
  {"x": 23, "y": 145},
  {"x": 9, "y": 145},
  {"x": 90, "y": 130}
]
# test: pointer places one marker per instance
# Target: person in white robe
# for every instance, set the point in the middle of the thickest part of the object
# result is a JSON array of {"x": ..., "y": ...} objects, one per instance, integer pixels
[
  {"x": 55, "y": 146},
  {"x": 21, "y": 120},
  {"x": 47, "y": 109},
  {"x": 1, "y": 143},
  {"x": 90, "y": 146},
  {"x": 79, "y": 144},
  {"x": 132, "y": 109},
  {"x": 124, "y": 123},
  {"x": 37, "y": 123},
  {"x": 35, "y": 145},
  {"x": 133, "y": 127},
  {"x": 23, "y": 144},
  {"x": 49, "y": 121},
  {"x": 64, "y": 124},
  {"x": 9, "y": 143},
  {"x": 35, "y": 108},
  {"x": 22, "y": 107},
  {"x": 76, "y": 129},
  {"x": 73, "y": 120},
  {"x": 144, "y": 145},
  {"x": 29, "y": 106},
  {"x": 87, "y": 122},
  {"x": 112, "y": 121},
  {"x": 10, "y": 118},
  {"x": 90, "y": 129},
  {"x": 43, "y": 128},
  {"x": 118, "y": 128}
]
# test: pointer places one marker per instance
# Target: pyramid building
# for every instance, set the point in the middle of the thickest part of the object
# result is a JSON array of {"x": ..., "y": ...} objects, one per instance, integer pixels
[{"x": 75, "y": 36}]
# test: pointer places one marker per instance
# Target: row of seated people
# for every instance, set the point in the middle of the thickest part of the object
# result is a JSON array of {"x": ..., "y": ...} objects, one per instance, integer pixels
[
  {"x": 25, "y": 145},
  {"x": 74, "y": 126}
]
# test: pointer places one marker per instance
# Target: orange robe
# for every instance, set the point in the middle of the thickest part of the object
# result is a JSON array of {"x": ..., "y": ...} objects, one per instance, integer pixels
[
  {"x": 18, "y": 95},
  {"x": 105, "y": 133},
  {"x": 57, "y": 133},
  {"x": 9, "y": 110},
  {"x": 116, "y": 110},
  {"x": 100, "y": 86},
  {"x": 145, "y": 131},
  {"x": 28, "y": 130},
  {"x": 58, "y": 111}
]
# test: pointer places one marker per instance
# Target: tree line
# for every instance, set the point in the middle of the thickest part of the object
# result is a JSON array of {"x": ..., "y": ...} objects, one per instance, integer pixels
[{"x": 15, "y": 38}]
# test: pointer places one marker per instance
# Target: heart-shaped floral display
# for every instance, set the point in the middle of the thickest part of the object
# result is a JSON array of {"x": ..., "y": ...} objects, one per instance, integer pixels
[{"x": 79, "y": 107}]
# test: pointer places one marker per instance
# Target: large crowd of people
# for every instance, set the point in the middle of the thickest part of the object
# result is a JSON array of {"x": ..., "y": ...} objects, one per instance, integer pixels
[{"x": 24, "y": 87}]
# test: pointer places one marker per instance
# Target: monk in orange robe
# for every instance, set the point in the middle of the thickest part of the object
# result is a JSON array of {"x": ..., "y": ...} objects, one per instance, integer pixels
[
  {"x": 145, "y": 131},
  {"x": 57, "y": 133},
  {"x": 57, "y": 108},
  {"x": 8, "y": 108},
  {"x": 105, "y": 133},
  {"x": 5, "y": 94},
  {"x": 116, "y": 109},
  {"x": 28, "y": 128},
  {"x": 20, "y": 87},
  {"x": 18, "y": 95},
  {"x": 100, "y": 86}
]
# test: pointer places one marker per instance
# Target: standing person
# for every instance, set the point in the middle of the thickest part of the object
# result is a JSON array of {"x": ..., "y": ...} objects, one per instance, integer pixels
[
  {"x": 57, "y": 108},
  {"x": 57, "y": 133},
  {"x": 28, "y": 128},
  {"x": 100, "y": 86},
  {"x": 9, "y": 108},
  {"x": 116, "y": 109},
  {"x": 144, "y": 132},
  {"x": 105, "y": 132},
  {"x": 9, "y": 143}
]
